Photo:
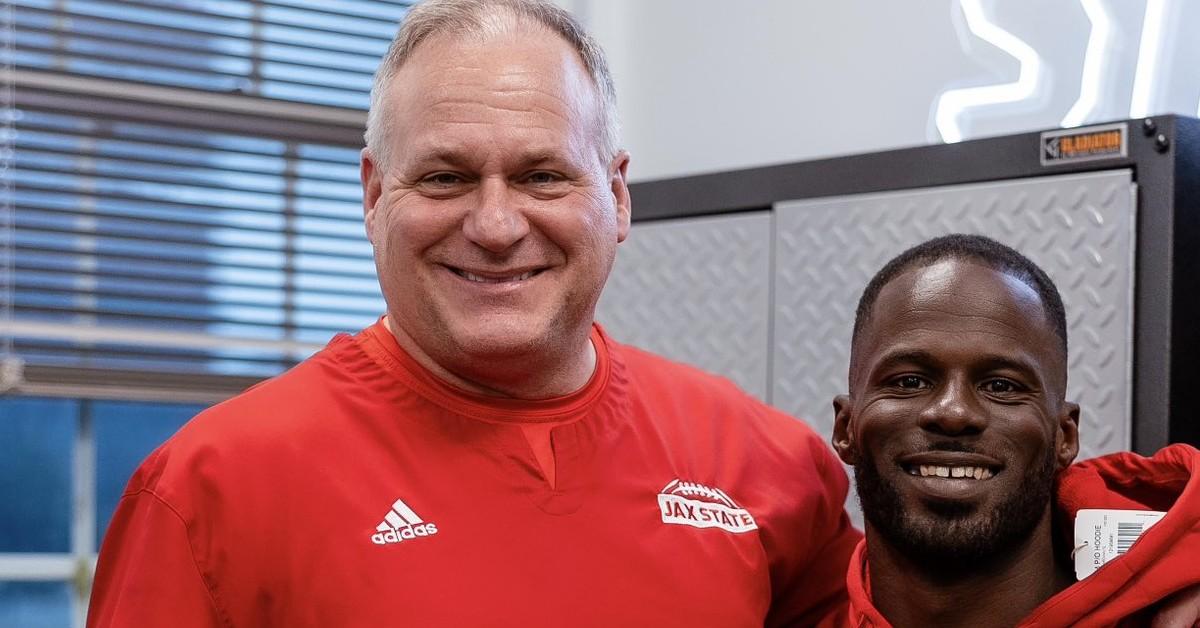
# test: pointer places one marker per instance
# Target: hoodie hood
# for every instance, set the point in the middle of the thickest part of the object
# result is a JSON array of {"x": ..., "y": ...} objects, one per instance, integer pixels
[
  {"x": 1166, "y": 558},
  {"x": 1161, "y": 562}
]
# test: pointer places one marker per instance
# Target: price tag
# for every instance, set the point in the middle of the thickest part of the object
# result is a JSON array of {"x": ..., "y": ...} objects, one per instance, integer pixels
[{"x": 1102, "y": 535}]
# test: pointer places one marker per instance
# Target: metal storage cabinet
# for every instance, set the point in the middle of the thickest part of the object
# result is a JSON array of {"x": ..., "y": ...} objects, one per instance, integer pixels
[
  {"x": 697, "y": 290},
  {"x": 1078, "y": 227},
  {"x": 724, "y": 269}
]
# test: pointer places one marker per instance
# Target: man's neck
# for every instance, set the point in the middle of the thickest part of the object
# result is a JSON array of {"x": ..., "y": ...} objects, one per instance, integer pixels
[
  {"x": 519, "y": 377},
  {"x": 998, "y": 595}
]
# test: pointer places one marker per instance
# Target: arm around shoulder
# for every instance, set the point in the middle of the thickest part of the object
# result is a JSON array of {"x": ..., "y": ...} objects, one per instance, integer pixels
[{"x": 812, "y": 589}]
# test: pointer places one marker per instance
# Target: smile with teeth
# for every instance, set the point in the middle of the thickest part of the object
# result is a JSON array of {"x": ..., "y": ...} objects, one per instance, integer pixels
[
  {"x": 478, "y": 279},
  {"x": 932, "y": 470}
]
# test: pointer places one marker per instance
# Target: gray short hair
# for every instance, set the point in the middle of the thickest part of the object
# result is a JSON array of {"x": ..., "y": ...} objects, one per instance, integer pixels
[{"x": 463, "y": 17}]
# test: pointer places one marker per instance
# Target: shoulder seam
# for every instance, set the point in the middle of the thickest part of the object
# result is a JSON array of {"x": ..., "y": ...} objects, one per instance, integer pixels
[{"x": 212, "y": 595}]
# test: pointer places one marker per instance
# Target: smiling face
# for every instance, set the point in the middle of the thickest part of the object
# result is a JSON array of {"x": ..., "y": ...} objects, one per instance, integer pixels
[
  {"x": 496, "y": 220},
  {"x": 956, "y": 421}
]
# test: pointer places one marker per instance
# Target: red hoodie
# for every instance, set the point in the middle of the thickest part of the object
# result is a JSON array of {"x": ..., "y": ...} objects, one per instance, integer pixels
[{"x": 1164, "y": 560}]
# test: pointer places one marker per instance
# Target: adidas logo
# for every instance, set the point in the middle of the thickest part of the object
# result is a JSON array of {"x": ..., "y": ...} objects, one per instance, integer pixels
[
  {"x": 696, "y": 505},
  {"x": 401, "y": 524}
]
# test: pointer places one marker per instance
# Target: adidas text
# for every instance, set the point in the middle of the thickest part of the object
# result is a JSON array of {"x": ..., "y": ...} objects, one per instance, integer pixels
[{"x": 403, "y": 534}]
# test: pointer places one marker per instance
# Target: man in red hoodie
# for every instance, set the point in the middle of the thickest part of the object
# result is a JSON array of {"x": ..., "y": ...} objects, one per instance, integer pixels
[{"x": 957, "y": 425}]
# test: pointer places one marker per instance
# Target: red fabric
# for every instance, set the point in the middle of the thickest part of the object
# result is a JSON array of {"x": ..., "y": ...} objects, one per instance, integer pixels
[
  {"x": 261, "y": 510},
  {"x": 538, "y": 437},
  {"x": 1163, "y": 561}
]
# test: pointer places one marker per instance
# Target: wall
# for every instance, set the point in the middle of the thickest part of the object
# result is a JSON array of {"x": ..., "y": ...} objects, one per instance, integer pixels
[{"x": 709, "y": 85}]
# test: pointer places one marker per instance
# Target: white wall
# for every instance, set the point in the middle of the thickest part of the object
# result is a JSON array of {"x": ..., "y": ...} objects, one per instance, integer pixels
[{"x": 709, "y": 85}]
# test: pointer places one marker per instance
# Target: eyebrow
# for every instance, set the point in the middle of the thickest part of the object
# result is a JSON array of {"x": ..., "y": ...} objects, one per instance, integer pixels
[
  {"x": 537, "y": 158},
  {"x": 987, "y": 363},
  {"x": 442, "y": 154},
  {"x": 914, "y": 356},
  {"x": 465, "y": 159}
]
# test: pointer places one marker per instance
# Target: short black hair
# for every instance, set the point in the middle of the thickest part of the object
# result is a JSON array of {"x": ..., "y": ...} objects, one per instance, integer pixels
[{"x": 977, "y": 248}]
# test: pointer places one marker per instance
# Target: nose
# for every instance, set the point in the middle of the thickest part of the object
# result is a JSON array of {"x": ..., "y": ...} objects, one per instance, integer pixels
[
  {"x": 953, "y": 410},
  {"x": 497, "y": 222}
]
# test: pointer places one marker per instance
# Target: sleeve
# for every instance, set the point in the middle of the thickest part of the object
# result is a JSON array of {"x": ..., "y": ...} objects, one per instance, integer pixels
[
  {"x": 147, "y": 575},
  {"x": 810, "y": 555}
]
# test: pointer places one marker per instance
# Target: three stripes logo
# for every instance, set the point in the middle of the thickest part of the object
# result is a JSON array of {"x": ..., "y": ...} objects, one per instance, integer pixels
[{"x": 401, "y": 524}]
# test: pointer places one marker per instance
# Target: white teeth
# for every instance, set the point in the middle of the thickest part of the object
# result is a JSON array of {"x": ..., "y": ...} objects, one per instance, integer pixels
[
  {"x": 929, "y": 470},
  {"x": 478, "y": 279}
]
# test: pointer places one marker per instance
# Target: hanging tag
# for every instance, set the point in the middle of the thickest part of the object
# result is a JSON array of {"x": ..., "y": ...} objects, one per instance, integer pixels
[{"x": 1102, "y": 535}]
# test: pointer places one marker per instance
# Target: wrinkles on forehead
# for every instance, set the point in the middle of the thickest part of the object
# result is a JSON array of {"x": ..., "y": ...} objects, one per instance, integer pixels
[{"x": 526, "y": 105}]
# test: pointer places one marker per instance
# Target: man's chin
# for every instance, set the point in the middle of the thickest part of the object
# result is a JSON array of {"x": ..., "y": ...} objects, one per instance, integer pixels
[
  {"x": 952, "y": 511},
  {"x": 947, "y": 537},
  {"x": 502, "y": 337},
  {"x": 939, "y": 533}
]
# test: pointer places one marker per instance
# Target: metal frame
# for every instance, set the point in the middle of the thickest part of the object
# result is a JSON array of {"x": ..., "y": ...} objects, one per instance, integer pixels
[
  {"x": 166, "y": 105},
  {"x": 194, "y": 108},
  {"x": 287, "y": 121},
  {"x": 77, "y": 565},
  {"x": 1164, "y": 154}
]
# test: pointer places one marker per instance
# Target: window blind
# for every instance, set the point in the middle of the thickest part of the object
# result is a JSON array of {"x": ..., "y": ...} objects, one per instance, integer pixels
[
  {"x": 186, "y": 215},
  {"x": 315, "y": 51}
]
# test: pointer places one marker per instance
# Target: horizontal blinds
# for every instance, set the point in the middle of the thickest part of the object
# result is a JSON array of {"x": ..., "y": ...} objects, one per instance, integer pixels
[
  {"x": 139, "y": 246},
  {"x": 312, "y": 51},
  {"x": 164, "y": 250}
]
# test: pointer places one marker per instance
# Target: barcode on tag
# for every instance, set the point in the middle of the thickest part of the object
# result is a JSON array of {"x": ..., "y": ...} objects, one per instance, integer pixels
[
  {"x": 1127, "y": 533},
  {"x": 1103, "y": 535}
]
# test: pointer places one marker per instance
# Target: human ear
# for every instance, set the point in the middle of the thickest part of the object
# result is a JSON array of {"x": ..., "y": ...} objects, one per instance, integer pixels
[
  {"x": 843, "y": 441},
  {"x": 1067, "y": 441},
  {"x": 372, "y": 188},
  {"x": 620, "y": 192}
]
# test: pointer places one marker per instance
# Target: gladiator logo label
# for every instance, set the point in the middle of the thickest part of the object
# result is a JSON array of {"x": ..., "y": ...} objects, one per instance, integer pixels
[
  {"x": 401, "y": 524},
  {"x": 696, "y": 505},
  {"x": 1086, "y": 144}
]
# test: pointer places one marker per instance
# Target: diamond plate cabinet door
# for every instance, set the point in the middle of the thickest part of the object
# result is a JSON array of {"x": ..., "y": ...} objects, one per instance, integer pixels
[
  {"x": 696, "y": 290},
  {"x": 1079, "y": 228}
]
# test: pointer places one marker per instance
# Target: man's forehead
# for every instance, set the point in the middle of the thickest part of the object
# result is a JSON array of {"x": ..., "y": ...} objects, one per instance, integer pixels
[
  {"x": 954, "y": 296},
  {"x": 458, "y": 50},
  {"x": 953, "y": 285},
  {"x": 526, "y": 70},
  {"x": 429, "y": 150},
  {"x": 949, "y": 276}
]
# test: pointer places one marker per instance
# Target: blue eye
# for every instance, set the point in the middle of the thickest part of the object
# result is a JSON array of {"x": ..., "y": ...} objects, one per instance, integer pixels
[{"x": 443, "y": 178}]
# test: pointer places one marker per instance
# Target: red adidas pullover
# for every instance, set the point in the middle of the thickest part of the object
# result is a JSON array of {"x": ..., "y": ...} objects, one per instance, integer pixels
[
  {"x": 360, "y": 490},
  {"x": 1164, "y": 560}
]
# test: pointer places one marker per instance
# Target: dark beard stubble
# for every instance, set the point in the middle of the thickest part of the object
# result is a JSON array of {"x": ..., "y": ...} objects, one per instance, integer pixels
[{"x": 958, "y": 539}]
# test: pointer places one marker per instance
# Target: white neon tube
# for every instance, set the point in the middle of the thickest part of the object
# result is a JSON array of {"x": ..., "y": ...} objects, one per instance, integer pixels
[
  {"x": 1095, "y": 63},
  {"x": 952, "y": 103},
  {"x": 1148, "y": 53}
]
